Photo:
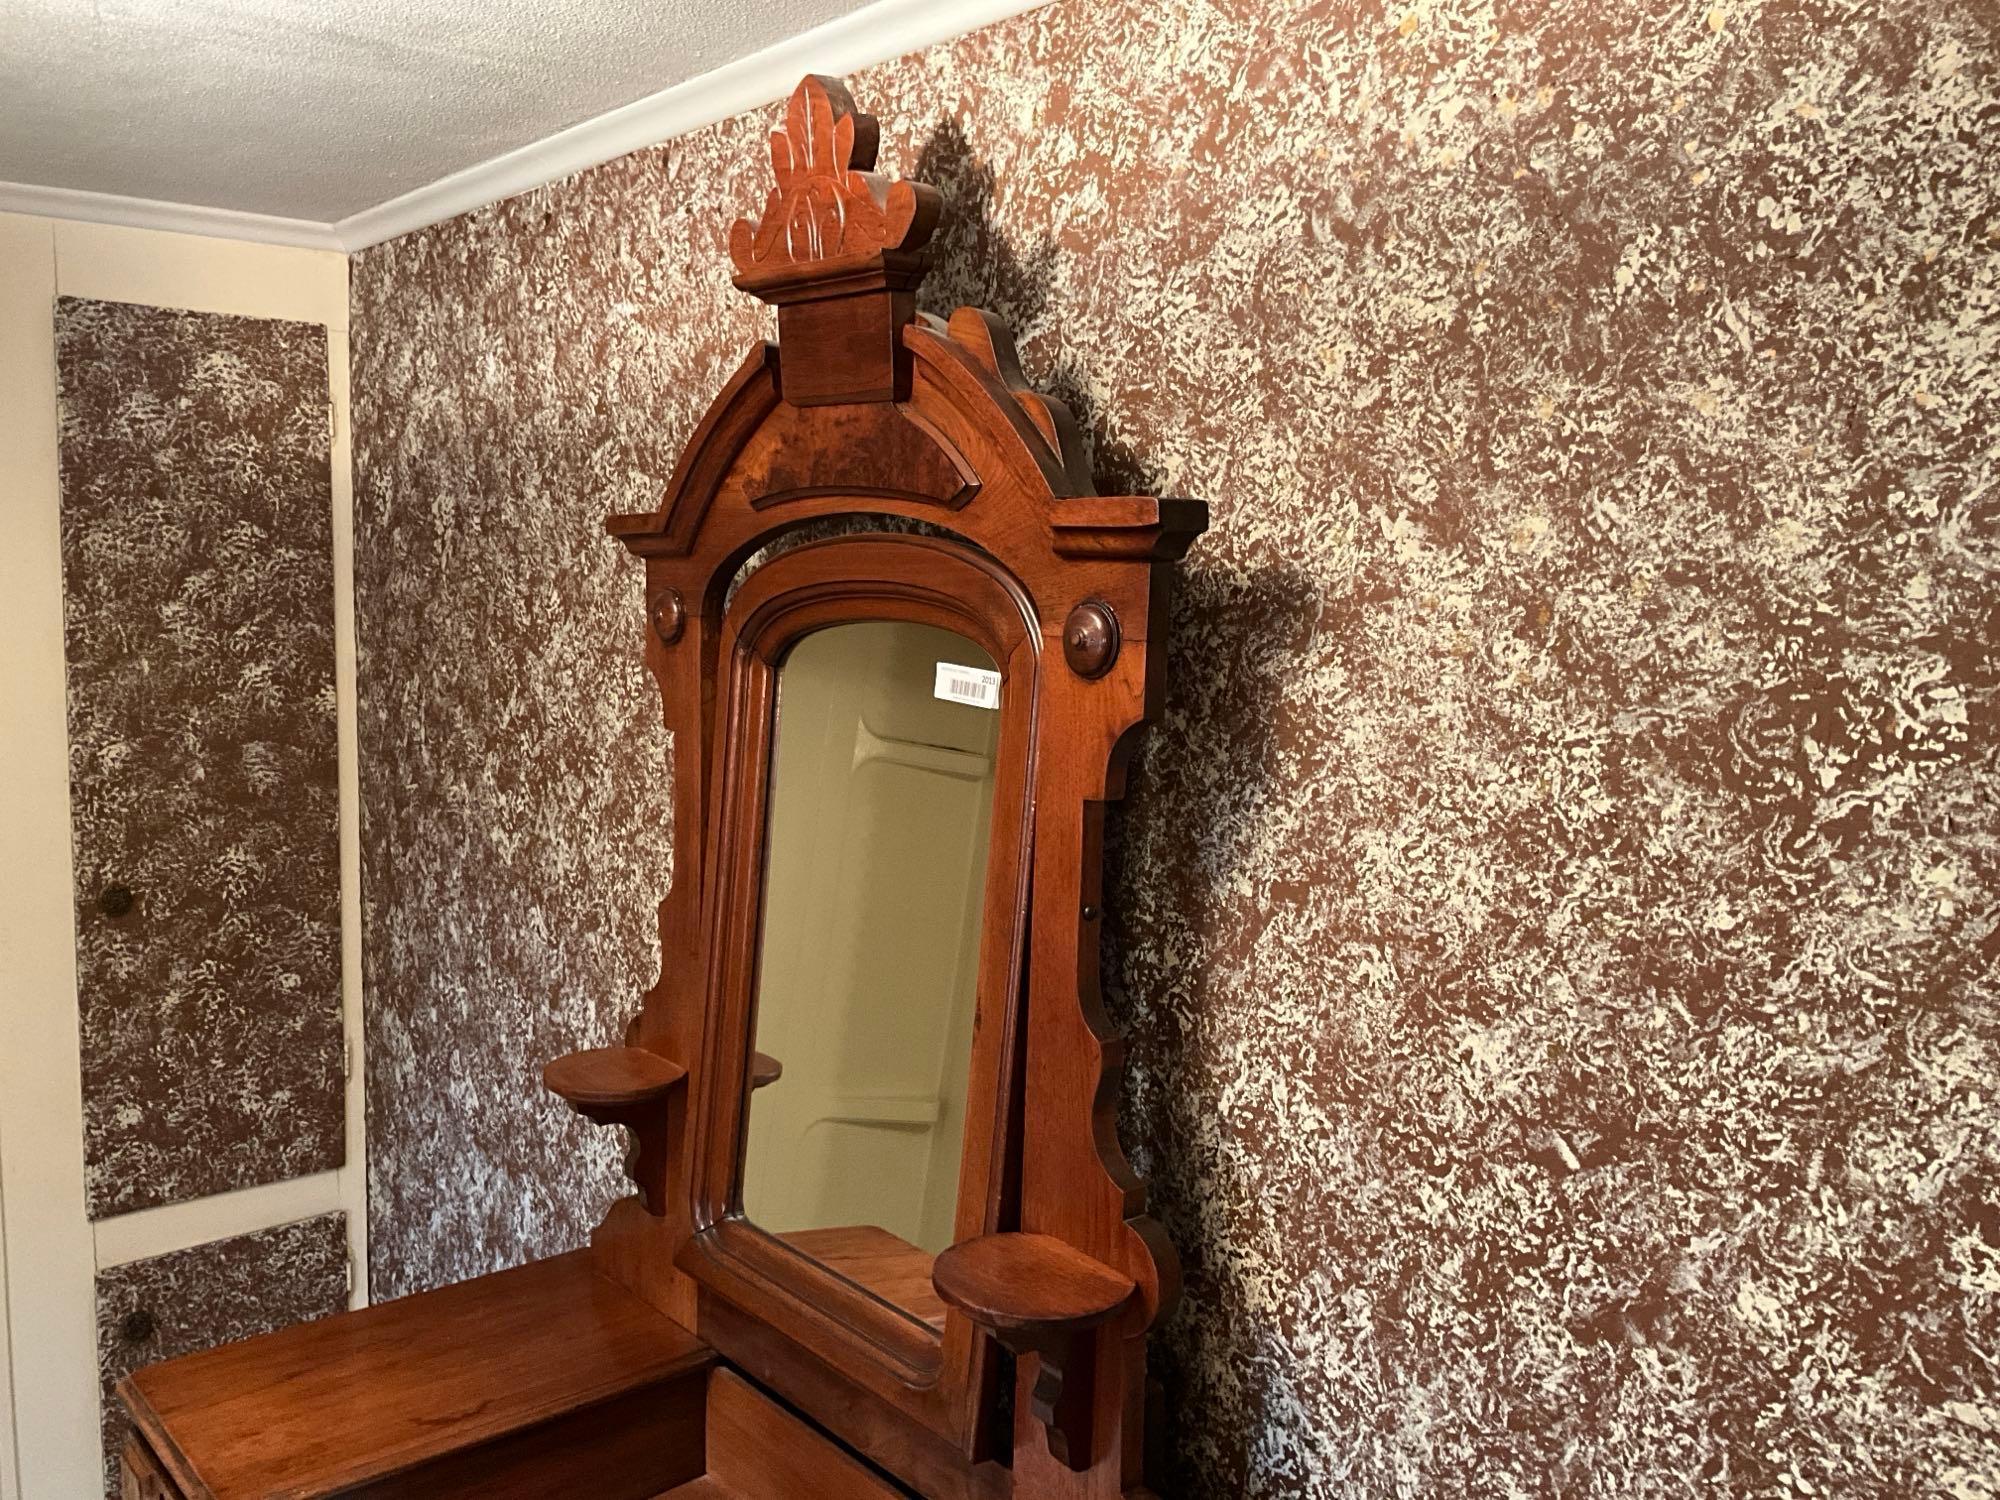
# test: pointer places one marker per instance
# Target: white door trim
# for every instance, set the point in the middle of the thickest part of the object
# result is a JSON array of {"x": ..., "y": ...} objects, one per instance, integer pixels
[
  {"x": 53, "y": 1251},
  {"x": 10, "y": 1475},
  {"x": 51, "y": 1288}
]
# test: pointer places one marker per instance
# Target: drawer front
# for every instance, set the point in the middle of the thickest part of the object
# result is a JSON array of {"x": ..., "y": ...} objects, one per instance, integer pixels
[
  {"x": 144, "y": 1479},
  {"x": 757, "y": 1448}
]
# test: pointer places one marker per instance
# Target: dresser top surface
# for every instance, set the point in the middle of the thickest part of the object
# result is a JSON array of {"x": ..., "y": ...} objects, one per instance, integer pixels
[{"x": 316, "y": 1409}]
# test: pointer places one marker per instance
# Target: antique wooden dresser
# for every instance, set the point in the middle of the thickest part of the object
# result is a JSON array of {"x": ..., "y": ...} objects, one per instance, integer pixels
[{"x": 882, "y": 1240}]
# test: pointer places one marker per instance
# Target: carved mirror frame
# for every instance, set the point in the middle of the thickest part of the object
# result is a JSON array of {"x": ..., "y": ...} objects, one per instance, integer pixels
[
  {"x": 927, "y": 581},
  {"x": 865, "y": 407}
]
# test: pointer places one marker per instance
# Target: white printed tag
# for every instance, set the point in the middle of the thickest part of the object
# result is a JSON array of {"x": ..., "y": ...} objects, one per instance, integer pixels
[{"x": 973, "y": 686}]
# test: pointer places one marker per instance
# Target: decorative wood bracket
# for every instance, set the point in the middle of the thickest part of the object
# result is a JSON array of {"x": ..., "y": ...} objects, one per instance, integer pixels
[
  {"x": 839, "y": 252},
  {"x": 629, "y": 1087},
  {"x": 828, "y": 208},
  {"x": 1039, "y": 1295}
]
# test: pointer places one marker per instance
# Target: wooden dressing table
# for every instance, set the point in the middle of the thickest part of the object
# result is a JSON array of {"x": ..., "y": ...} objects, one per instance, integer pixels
[{"x": 883, "y": 1241}]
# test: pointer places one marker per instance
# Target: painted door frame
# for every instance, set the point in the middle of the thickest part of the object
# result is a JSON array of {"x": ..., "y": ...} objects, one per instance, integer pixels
[
  {"x": 50, "y": 1252},
  {"x": 10, "y": 1487}
]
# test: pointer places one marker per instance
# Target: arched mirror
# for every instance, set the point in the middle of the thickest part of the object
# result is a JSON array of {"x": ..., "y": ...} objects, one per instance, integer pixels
[
  {"x": 875, "y": 742},
  {"x": 880, "y": 799}
]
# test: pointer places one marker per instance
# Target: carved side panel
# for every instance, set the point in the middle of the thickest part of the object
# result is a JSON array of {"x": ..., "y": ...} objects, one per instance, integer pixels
[
  {"x": 191, "y": 1300},
  {"x": 198, "y": 598}
]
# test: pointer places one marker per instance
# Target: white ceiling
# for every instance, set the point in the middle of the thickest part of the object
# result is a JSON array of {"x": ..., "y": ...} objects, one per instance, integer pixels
[{"x": 319, "y": 109}]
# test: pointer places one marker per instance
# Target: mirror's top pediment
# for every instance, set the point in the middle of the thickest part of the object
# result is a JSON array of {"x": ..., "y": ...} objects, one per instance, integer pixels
[{"x": 1005, "y": 463}]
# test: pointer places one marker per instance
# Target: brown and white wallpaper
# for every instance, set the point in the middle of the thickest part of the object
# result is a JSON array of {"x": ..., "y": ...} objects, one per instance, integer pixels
[
  {"x": 154, "y": 1310},
  {"x": 197, "y": 516},
  {"x": 1558, "y": 918}
]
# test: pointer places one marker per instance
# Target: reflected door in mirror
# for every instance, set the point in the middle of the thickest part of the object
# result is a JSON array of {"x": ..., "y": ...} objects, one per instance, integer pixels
[{"x": 875, "y": 860}]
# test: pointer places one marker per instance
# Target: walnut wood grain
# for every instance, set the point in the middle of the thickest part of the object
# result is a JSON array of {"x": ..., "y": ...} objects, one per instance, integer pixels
[
  {"x": 826, "y": 208},
  {"x": 1043, "y": 1298},
  {"x": 549, "y": 1370},
  {"x": 824, "y": 424},
  {"x": 887, "y": 1265},
  {"x": 910, "y": 1450},
  {"x": 140, "y": 1474},
  {"x": 839, "y": 250},
  {"x": 612, "y": 1078},
  {"x": 1029, "y": 1283},
  {"x": 758, "y": 1449},
  {"x": 704, "y": 1487}
]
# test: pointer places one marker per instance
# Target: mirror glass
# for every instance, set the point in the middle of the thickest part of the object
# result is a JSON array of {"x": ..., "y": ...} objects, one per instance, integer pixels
[{"x": 881, "y": 798}]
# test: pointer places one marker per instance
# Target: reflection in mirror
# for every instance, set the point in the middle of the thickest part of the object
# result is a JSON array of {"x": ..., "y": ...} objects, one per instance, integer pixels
[{"x": 875, "y": 863}]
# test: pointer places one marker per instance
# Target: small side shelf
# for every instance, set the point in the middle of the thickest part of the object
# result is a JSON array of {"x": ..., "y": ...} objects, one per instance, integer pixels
[
  {"x": 625, "y": 1086},
  {"x": 612, "y": 1078},
  {"x": 1042, "y": 1296}
]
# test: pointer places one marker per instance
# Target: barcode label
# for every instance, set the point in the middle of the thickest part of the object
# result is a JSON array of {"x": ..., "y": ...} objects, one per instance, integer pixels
[{"x": 973, "y": 686}]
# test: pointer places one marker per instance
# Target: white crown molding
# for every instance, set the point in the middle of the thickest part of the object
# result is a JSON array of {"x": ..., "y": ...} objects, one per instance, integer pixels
[
  {"x": 861, "y": 39},
  {"x": 871, "y": 35},
  {"x": 177, "y": 218}
]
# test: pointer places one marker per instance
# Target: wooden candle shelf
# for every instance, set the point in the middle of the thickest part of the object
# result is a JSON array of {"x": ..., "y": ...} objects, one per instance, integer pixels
[
  {"x": 631, "y": 1087},
  {"x": 1029, "y": 1283},
  {"x": 608, "y": 1078},
  {"x": 1039, "y": 1295}
]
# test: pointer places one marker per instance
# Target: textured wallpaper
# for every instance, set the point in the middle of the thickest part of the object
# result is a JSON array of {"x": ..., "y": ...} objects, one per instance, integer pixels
[
  {"x": 154, "y": 1310},
  {"x": 1557, "y": 919},
  {"x": 197, "y": 537}
]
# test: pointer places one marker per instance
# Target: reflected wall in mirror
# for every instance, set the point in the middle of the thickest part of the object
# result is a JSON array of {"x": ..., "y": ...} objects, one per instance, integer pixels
[{"x": 875, "y": 860}]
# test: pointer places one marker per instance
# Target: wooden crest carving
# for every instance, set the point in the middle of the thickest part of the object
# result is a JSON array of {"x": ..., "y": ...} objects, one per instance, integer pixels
[{"x": 828, "y": 203}]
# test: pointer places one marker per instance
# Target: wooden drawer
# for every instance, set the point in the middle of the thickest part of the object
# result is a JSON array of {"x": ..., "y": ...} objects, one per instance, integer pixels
[
  {"x": 143, "y": 1477},
  {"x": 759, "y": 1451}
]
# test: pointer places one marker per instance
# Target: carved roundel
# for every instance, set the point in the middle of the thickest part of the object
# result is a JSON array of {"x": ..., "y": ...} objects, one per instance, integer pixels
[
  {"x": 668, "y": 614},
  {"x": 1090, "y": 638}
]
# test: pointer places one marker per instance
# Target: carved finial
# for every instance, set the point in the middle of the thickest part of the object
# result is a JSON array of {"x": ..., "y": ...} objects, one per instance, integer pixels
[{"x": 828, "y": 204}]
